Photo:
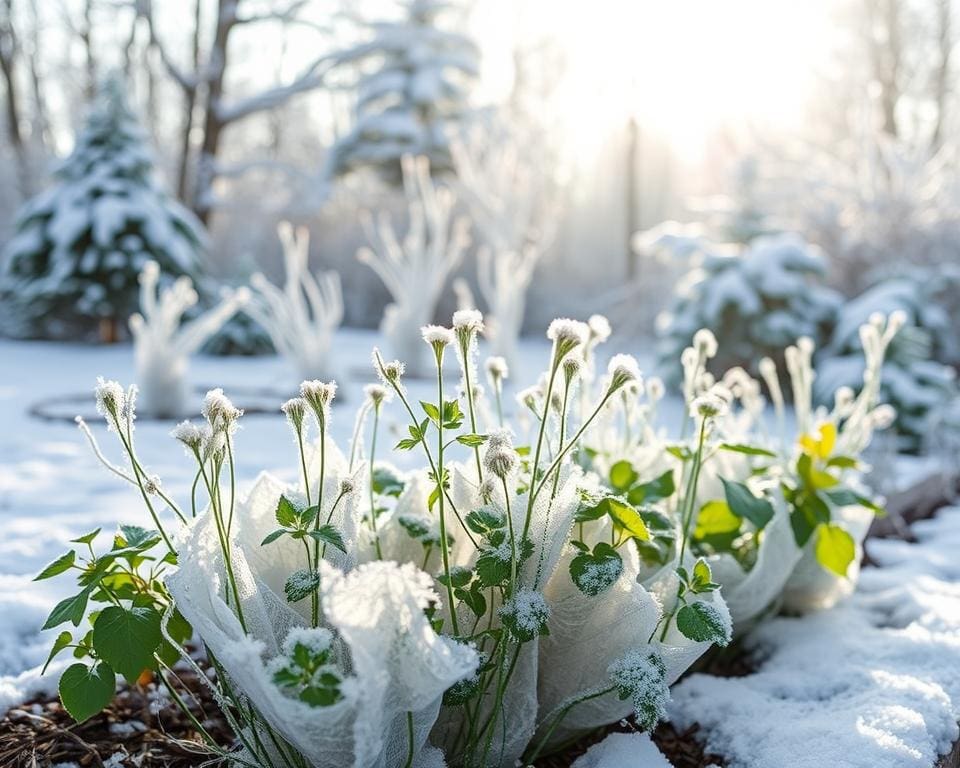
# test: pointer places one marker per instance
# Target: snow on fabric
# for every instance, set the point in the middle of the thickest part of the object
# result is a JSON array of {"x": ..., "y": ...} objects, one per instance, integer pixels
[{"x": 874, "y": 681}]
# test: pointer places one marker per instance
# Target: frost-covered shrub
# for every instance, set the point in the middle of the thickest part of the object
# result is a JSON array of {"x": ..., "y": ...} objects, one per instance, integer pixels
[
  {"x": 302, "y": 317},
  {"x": 415, "y": 268},
  {"x": 495, "y": 601},
  {"x": 163, "y": 342},
  {"x": 758, "y": 298},
  {"x": 914, "y": 383},
  {"x": 80, "y": 245}
]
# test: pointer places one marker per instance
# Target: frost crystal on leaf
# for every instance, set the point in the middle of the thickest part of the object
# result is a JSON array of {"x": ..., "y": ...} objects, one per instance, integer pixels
[
  {"x": 525, "y": 614},
  {"x": 641, "y": 677}
]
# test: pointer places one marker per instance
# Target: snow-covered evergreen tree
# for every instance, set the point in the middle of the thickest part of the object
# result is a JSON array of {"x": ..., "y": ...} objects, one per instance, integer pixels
[
  {"x": 418, "y": 86},
  {"x": 79, "y": 246}
]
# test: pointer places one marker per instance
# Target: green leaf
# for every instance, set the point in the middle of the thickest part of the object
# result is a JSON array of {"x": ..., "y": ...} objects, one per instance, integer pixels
[
  {"x": 287, "y": 512},
  {"x": 749, "y": 450},
  {"x": 408, "y": 443},
  {"x": 386, "y": 483},
  {"x": 491, "y": 570},
  {"x": 702, "y": 622},
  {"x": 485, "y": 519},
  {"x": 272, "y": 537},
  {"x": 87, "y": 538},
  {"x": 58, "y": 566},
  {"x": 138, "y": 537},
  {"x": 330, "y": 535},
  {"x": 660, "y": 488},
  {"x": 627, "y": 518},
  {"x": 622, "y": 475},
  {"x": 844, "y": 497},
  {"x": 70, "y": 609},
  {"x": 472, "y": 441},
  {"x": 85, "y": 690},
  {"x": 596, "y": 572},
  {"x": 809, "y": 512},
  {"x": 126, "y": 639},
  {"x": 702, "y": 574},
  {"x": 834, "y": 548},
  {"x": 716, "y": 517},
  {"x": 301, "y": 584},
  {"x": 743, "y": 503},
  {"x": 434, "y": 497},
  {"x": 63, "y": 640},
  {"x": 843, "y": 462},
  {"x": 431, "y": 410}
]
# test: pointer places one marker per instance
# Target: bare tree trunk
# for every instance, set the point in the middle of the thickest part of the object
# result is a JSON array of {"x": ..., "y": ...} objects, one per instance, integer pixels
[
  {"x": 884, "y": 19},
  {"x": 212, "y": 124},
  {"x": 86, "y": 36},
  {"x": 9, "y": 50},
  {"x": 189, "y": 105},
  {"x": 41, "y": 122},
  {"x": 941, "y": 77}
]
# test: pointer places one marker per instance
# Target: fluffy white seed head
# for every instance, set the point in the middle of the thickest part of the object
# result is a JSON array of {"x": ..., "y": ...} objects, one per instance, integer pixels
[
  {"x": 347, "y": 486},
  {"x": 566, "y": 336},
  {"x": 377, "y": 394},
  {"x": 599, "y": 329},
  {"x": 498, "y": 438},
  {"x": 189, "y": 434},
  {"x": 319, "y": 396},
  {"x": 705, "y": 343},
  {"x": 655, "y": 389},
  {"x": 437, "y": 337},
  {"x": 467, "y": 321},
  {"x": 218, "y": 410},
  {"x": 528, "y": 397},
  {"x": 295, "y": 409},
  {"x": 111, "y": 400},
  {"x": 500, "y": 461},
  {"x": 391, "y": 372},
  {"x": 572, "y": 367},
  {"x": 497, "y": 369},
  {"x": 487, "y": 488},
  {"x": 714, "y": 403},
  {"x": 622, "y": 370}
]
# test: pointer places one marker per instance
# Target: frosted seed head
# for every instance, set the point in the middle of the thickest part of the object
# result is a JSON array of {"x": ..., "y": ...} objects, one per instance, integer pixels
[
  {"x": 347, "y": 486},
  {"x": 389, "y": 373},
  {"x": 467, "y": 323},
  {"x": 214, "y": 443},
  {"x": 622, "y": 370},
  {"x": 705, "y": 343},
  {"x": 497, "y": 370},
  {"x": 111, "y": 400},
  {"x": 599, "y": 329},
  {"x": 566, "y": 336},
  {"x": 189, "y": 434},
  {"x": 528, "y": 397},
  {"x": 319, "y": 396},
  {"x": 295, "y": 409},
  {"x": 499, "y": 438},
  {"x": 377, "y": 394},
  {"x": 713, "y": 403},
  {"x": 219, "y": 412},
  {"x": 487, "y": 489},
  {"x": 655, "y": 389},
  {"x": 501, "y": 461},
  {"x": 572, "y": 367},
  {"x": 438, "y": 338}
]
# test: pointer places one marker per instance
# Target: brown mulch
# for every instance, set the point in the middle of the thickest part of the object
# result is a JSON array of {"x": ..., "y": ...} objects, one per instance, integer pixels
[{"x": 141, "y": 728}]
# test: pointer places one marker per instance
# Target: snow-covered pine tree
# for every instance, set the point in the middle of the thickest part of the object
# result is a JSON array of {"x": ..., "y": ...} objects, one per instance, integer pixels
[
  {"x": 72, "y": 266},
  {"x": 417, "y": 85}
]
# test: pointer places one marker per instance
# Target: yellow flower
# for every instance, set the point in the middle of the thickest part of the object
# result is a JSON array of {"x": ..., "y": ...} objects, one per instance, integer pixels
[{"x": 822, "y": 446}]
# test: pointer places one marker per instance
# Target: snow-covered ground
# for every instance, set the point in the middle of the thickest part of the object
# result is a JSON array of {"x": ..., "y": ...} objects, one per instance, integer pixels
[{"x": 872, "y": 682}]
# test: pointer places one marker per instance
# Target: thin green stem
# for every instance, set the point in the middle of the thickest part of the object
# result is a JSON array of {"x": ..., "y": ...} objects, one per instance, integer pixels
[
  {"x": 464, "y": 352},
  {"x": 559, "y": 718},
  {"x": 444, "y": 547},
  {"x": 410, "y": 744},
  {"x": 373, "y": 506}
]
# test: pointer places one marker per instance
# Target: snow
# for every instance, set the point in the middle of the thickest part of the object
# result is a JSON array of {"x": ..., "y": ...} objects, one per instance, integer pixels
[
  {"x": 623, "y": 750},
  {"x": 874, "y": 681}
]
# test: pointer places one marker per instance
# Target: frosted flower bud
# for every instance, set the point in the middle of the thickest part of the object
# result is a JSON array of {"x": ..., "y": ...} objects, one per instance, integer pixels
[
  {"x": 347, "y": 486},
  {"x": 500, "y": 461},
  {"x": 599, "y": 328},
  {"x": 572, "y": 367},
  {"x": 295, "y": 409},
  {"x": 655, "y": 389},
  {"x": 151, "y": 484},
  {"x": 497, "y": 369},
  {"x": 556, "y": 402},
  {"x": 622, "y": 369},
  {"x": 528, "y": 397},
  {"x": 213, "y": 444},
  {"x": 438, "y": 338},
  {"x": 883, "y": 416},
  {"x": 217, "y": 409},
  {"x": 566, "y": 336},
  {"x": 389, "y": 373},
  {"x": 319, "y": 396},
  {"x": 499, "y": 438},
  {"x": 487, "y": 489},
  {"x": 710, "y": 405},
  {"x": 377, "y": 394},
  {"x": 111, "y": 400},
  {"x": 467, "y": 323},
  {"x": 189, "y": 434},
  {"x": 705, "y": 343}
]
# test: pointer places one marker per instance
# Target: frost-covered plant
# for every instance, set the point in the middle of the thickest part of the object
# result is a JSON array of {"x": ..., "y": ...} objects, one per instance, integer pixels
[
  {"x": 302, "y": 317},
  {"x": 508, "y": 180},
  {"x": 914, "y": 383},
  {"x": 758, "y": 298},
  {"x": 479, "y": 610},
  {"x": 163, "y": 343},
  {"x": 416, "y": 268},
  {"x": 80, "y": 245}
]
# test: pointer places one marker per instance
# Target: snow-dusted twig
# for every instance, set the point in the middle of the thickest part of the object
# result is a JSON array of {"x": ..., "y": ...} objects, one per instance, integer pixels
[
  {"x": 162, "y": 345},
  {"x": 415, "y": 269},
  {"x": 302, "y": 317}
]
